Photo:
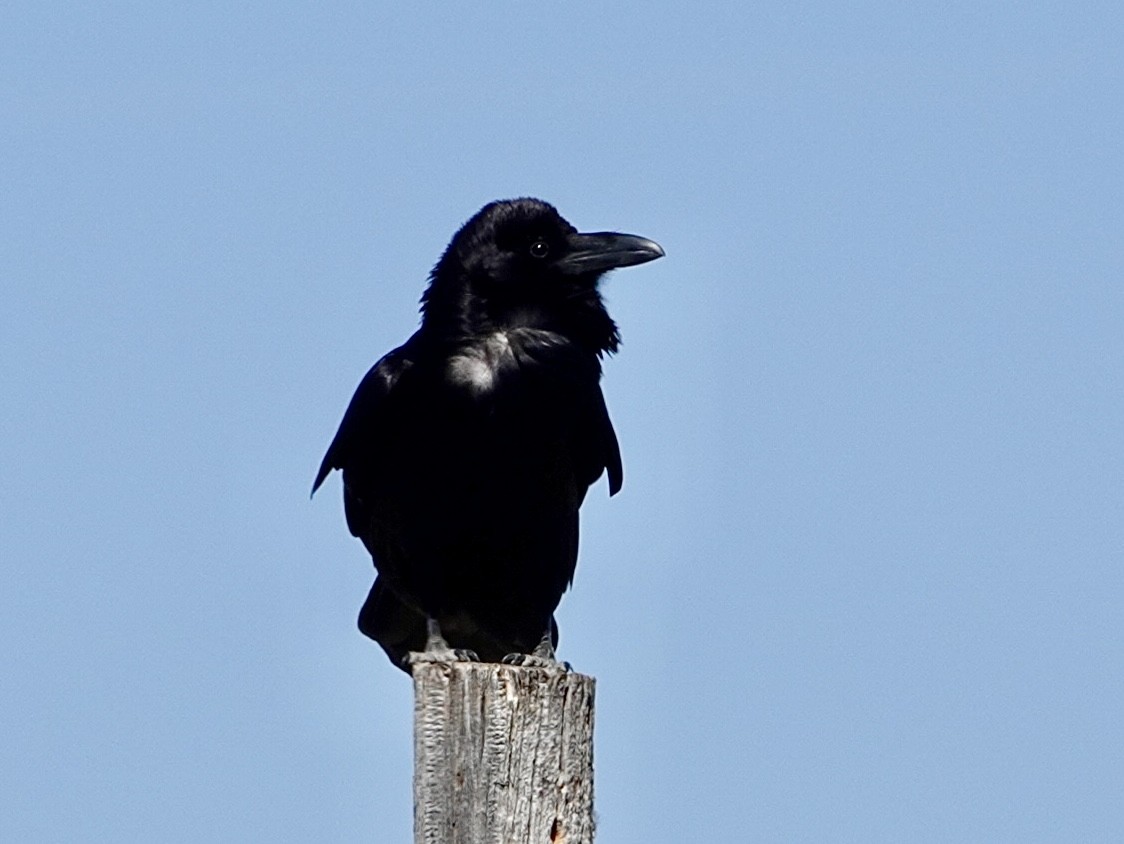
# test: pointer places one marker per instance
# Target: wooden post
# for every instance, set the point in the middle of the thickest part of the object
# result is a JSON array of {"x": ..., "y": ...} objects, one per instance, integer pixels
[{"x": 502, "y": 755}]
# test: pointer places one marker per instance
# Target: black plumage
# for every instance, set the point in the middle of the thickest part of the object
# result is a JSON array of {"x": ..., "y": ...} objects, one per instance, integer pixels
[{"x": 467, "y": 451}]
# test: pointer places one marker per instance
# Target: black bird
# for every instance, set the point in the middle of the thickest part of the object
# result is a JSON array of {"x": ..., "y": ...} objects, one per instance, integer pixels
[{"x": 467, "y": 451}]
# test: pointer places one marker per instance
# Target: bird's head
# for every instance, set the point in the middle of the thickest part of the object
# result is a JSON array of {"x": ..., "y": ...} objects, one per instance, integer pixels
[{"x": 518, "y": 263}]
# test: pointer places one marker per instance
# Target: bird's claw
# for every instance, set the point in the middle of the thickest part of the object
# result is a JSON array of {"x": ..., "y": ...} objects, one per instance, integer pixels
[
  {"x": 439, "y": 655},
  {"x": 533, "y": 661}
]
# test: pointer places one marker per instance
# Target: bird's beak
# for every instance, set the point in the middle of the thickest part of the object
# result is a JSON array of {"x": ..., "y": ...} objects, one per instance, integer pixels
[{"x": 599, "y": 252}]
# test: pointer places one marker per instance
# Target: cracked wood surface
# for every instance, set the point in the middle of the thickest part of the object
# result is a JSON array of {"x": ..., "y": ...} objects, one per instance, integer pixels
[{"x": 502, "y": 755}]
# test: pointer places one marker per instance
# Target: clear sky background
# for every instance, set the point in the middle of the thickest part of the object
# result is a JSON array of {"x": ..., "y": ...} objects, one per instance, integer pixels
[{"x": 864, "y": 581}]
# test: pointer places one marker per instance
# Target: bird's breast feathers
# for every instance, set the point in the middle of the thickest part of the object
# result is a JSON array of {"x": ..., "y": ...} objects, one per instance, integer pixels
[
  {"x": 480, "y": 365},
  {"x": 476, "y": 366}
]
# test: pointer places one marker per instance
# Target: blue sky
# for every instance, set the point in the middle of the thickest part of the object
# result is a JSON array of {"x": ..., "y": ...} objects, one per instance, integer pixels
[{"x": 864, "y": 579}]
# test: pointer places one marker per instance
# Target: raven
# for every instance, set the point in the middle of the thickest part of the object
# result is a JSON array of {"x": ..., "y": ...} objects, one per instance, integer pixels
[{"x": 467, "y": 451}]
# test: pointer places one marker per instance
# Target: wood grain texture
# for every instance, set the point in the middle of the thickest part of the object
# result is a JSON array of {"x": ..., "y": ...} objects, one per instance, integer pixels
[{"x": 502, "y": 755}]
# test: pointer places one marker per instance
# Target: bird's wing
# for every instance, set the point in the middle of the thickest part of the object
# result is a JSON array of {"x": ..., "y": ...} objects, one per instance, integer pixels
[
  {"x": 606, "y": 443},
  {"x": 596, "y": 441},
  {"x": 360, "y": 424}
]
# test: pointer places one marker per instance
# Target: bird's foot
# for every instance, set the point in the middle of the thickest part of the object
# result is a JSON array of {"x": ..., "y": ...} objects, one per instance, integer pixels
[
  {"x": 439, "y": 655},
  {"x": 437, "y": 649},
  {"x": 534, "y": 661},
  {"x": 541, "y": 657}
]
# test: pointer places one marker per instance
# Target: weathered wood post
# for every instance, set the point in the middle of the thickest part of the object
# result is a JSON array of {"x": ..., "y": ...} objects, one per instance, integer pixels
[{"x": 502, "y": 755}]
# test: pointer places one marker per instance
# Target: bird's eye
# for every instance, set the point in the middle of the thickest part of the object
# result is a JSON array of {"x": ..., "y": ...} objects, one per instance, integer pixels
[{"x": 540, "y": 249}]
